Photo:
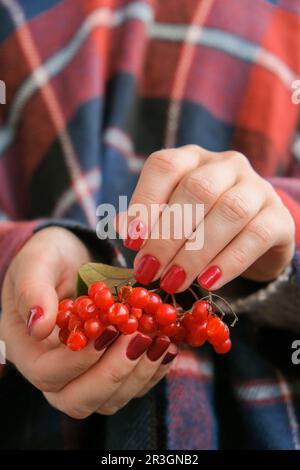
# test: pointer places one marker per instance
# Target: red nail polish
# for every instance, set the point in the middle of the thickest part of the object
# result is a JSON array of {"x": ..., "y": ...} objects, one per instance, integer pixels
[
  {"x": 168, "y": 358},
  {"x": 173, "y": 279},
  {"x": 146, "y": 269},
  {"x": 35, "y": 313},
  {"x": 107, "y": 337},
  {"x": 209, "y": 277},
  {"x": 137, "y": 346},
  {"x": 157, "y": 348},
  {"x": 136, "y": 234}
]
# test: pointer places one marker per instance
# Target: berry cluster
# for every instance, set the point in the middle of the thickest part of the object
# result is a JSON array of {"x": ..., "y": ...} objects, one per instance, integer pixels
[{"x": 136, "y": 308}]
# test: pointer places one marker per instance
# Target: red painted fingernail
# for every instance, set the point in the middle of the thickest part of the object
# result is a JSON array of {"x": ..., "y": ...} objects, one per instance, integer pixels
[
  {"x": 137, "y": 346},
  {"x": 157, "y": 348},
  {"x": 107, "y": 337},
  {"x": 35, "y": 314},
  {"x": 209, "y": 277},
  {"x": 173, "y": 279},
  {"x": 136, "y": 234},
  {"x": 146, "y": 269},
  {"x": 168, "y": 358}
]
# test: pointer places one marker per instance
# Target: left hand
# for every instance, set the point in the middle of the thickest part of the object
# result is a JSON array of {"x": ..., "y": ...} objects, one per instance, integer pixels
[{"x": 247, "y": 229}]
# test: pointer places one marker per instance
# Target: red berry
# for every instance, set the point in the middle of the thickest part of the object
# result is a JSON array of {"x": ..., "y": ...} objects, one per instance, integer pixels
[
  {"x": 154, "y": 302},
  {"x": 74, "y": 322},
  {"x": 129, "y": 326},
  {"x": 200, "y": 311},
  {"x": 86, "y": 309},
  {"x": 104, "y": 299},
  {"x": 188, "y": 321},
  {"x": 147, "y": 324},
  {"x": 96, "y": 287},
  {"x": 170, "y": 330},
  {"x": 217, "y": 331},
  {"x": 197, "y": 335},
  {"x": 137, "y": 312},
  {"x": 223, "y": 348},
  {"x": 63, "y": 335},
  {"x": 76, "y": 340},
  {"x": 93, "y": 328},
  {"x": 118, "y": 313},
  {"x": 103, "y": 317},
  {"x": 180, "y": 335},
  {"x": 62, "y": 319},
  {"x": 66, "y": 304},
  {"x": 165, "y": 314},
  {"x": 77, "y": 303},
  {"x": 139, "y": 297}
]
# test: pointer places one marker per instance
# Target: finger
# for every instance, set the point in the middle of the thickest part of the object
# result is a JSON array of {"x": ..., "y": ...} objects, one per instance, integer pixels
[
  {"x": 231, "y": 213},
  {"x": 263, "y": 232},
  {"x": 84, "y": 395},
  {"x": 55, "y": 369},
  {"x": 167, "y": 363},
  {"x": 34, "y": 279},
  {"x": 198, "y": 190},
  {"x": 161, "y": 173},
  {"x": 146, "y": 368},
  {"x": 51, "y": 368}
]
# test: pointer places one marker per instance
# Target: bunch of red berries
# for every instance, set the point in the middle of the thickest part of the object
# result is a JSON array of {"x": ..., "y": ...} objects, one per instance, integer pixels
[{"x": 135, "y": 308}]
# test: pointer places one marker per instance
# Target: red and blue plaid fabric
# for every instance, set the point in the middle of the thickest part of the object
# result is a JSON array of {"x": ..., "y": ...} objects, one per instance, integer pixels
[{"x": 93, "y": 87}]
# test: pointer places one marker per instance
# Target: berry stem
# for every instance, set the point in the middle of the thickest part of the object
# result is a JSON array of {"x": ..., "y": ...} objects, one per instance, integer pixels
[
  {"x": 193, "y": 293},
  {"x": 173, "y": 300}
]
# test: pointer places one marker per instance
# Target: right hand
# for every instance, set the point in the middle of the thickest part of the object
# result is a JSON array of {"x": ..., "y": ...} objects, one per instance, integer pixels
[{"x": 77, "y": 383}]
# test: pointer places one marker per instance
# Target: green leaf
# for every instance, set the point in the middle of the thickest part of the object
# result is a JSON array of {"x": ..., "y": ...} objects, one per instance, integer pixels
[{"x": 111, "y": 275}]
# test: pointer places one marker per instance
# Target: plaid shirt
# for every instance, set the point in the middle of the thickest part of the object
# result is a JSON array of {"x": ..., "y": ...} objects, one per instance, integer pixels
[{"x": 93, "y": 87}]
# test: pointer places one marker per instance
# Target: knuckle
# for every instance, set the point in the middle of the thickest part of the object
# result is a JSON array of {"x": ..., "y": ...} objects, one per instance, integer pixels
[
  {"x": 117, "y": 377},
  {"x": 70, "y": 408},
  {"x": 108, "y": 410},
  {"x": 234, "y": 208},
  {"x": 238, "y": 256},
  {"x": 164, "y": 160},
  {"x": 76, "y": 412},
  {"x": 43, "y": 383},
  {"x": 199, "y": 188},
  {"x": 262, "y": 232},
  {"x": 238, "y": 158}
]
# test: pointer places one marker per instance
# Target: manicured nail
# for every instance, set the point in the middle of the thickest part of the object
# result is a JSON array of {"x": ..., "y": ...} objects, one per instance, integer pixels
[
  {"x": 209, "y": 277},
  {"x": 35, "y": 314},
  {"x": 136, "y": 234},
  {"x": 168, "y": 358},
  {"x": 157, "y": 348},
  {"x": 137, "y": 346},
  {"x": 107, "y": 337},
  {"x": 146, "y": 269},
  {"x": 173, "y": 279}
]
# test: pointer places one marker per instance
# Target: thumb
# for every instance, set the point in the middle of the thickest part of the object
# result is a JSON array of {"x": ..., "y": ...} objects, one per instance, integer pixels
[{"x": 36, "y": 299}]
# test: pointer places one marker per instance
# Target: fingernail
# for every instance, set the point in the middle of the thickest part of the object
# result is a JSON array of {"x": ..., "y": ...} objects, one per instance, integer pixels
[
  {"x": 105, "y": 339},
  {"x": 136, "y": 234},
  {"x": 35, "y": 314},
  {"x": 137, "y": 346},
  {"x": 209, "y": 277},
  {"x": 173, "y": 279},
  {"x": 157, "y": 348},
  {"x": 146, "y": 269},
  {"x": 168, "y": 358}
]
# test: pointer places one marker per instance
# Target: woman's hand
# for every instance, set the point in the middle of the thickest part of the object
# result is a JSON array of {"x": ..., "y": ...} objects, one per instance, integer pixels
[
  {"x": 247, "y": 229},
  {"x": 102, "y": 379}
]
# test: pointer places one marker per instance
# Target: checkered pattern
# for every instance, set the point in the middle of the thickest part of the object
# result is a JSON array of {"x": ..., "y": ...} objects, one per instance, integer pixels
[{"x": 93, "y": 87}]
